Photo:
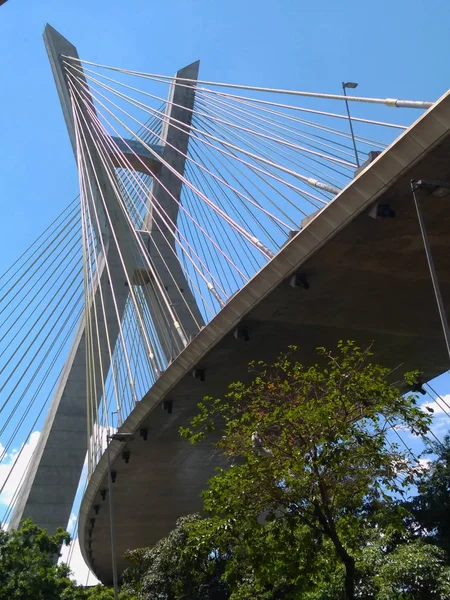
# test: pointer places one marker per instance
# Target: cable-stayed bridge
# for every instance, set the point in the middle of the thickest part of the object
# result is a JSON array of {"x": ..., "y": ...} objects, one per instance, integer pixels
[{"x": 215, "y": 224}]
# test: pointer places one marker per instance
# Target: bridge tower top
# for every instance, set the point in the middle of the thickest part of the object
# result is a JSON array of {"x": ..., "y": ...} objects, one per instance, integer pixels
[{"x": 49, "y": 490}]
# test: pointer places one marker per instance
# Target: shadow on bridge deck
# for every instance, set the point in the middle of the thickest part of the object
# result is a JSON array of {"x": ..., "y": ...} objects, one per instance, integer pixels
[{"x": 368, "y": 281}]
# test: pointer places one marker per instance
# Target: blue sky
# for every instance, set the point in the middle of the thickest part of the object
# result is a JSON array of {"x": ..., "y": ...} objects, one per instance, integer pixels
[{"x": 393, "y": 49}]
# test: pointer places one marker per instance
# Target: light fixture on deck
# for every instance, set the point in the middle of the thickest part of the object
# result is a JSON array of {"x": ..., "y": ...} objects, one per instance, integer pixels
[
  {"x": 299, "y": 280},
  {"x": 121, "y": 437},
  {"x": 371, "y": 156},
  {"x": 436, "y": 189},
  {"x": 382, "y": 211},
  {"x": 199, "y": 374},
  {"x": 350, "y": 85},
  {"x": 167, "y": 405},
  {"x": 241, "y": 333}
]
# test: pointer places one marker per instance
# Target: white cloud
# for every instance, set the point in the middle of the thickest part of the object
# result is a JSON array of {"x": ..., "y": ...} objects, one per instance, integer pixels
[
  {"x": 425, "y": 463},
  {"x": 440, "y": 413},
  {"x": 14, "y": 467},
  {"x": 72, "y": 556},
  {"x": 72, "y": 522},
  {"x": 438, "y": 406}
]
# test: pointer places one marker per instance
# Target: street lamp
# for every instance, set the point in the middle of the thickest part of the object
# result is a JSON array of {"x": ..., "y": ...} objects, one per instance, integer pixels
[
  {"x": 118, "y": 437},
  {"x": 435, "y": 189},
  {"x": 351, "y": 85}
]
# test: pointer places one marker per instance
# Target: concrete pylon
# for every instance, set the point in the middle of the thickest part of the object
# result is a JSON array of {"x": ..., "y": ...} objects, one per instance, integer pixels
[
  {"x": 164, "y": 197},
  {"x": 49, "y": 489}
]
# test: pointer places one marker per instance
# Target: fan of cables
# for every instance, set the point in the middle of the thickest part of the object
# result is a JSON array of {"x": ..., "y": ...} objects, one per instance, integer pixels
[{"x": 143, "y": 269}]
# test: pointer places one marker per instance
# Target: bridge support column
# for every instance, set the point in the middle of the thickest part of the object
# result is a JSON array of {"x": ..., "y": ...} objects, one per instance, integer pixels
[
  {"x": 50, "y": 486},
  {"x": 164, "y": 198},
  {"x": 51, "y": 483}
]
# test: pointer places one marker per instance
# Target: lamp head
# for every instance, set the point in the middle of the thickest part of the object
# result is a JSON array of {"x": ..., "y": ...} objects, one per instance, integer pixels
[
  {"x": 349, "y": 85},
  {"x": 121, "y": 437},
  {"x": 436, "y": 189}
]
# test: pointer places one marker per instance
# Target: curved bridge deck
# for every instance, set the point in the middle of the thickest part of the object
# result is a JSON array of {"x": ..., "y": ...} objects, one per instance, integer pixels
[{"x": 368, "y": 281}]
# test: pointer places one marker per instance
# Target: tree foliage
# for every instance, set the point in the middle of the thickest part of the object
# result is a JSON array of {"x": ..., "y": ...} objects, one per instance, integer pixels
[
  {"x": 27, "y": 564},
  {"x": 166, "y": 571},
  {"x": 311, "y": 505},
  {"x": 403, "y": 569},
  {"x": 283, "y": 560},
  {"x": 430, "y": 508},
  {"x": 280, "y": 559},
  {"x": 310, "y": 446},
  {"x": 101, "y": 592},
  {"x": 28, "y": 569}
]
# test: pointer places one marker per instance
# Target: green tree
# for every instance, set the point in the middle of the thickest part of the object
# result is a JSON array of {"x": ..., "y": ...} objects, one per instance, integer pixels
[
  {"x": 166, "y": 572},
  {"x": 414, "y": 570},
  {"x": 310, "y": 445},
  {"x": 280, "y": 559},
  {"x": 283, "y": 560},
  {"x": 27, "y": 565},
  {"x": 101, "y": 592},
  {"x": 28, "y": 569},
  {"x": 402, "y": 569},
  {"x": 431, "y": 506}
]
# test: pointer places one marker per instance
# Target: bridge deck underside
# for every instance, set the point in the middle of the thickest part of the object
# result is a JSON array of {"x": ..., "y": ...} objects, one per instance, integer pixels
[{"x": 369, "y": 282}]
